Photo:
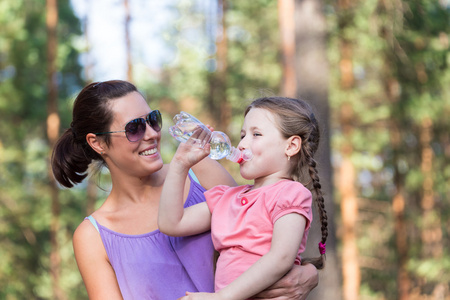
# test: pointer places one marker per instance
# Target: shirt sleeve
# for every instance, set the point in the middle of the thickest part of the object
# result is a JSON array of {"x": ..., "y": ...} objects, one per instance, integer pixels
[
  {"x": 291, "y": 198},
  {"x": 214, "y": 195}
]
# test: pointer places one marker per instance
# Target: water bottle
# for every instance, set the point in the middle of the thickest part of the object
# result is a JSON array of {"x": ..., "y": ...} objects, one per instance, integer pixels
[{"x": 220, "y": 143}]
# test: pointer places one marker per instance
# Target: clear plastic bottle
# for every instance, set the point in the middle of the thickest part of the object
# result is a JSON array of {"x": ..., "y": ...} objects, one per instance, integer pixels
[{"x": 220, "y": 143}]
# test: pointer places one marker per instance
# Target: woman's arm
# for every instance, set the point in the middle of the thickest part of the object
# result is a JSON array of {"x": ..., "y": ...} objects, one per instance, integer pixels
[
  {"x": 96, "y": 271},
  {"x": 295, "y": 285},
  {"x": 211, "y": 173}
]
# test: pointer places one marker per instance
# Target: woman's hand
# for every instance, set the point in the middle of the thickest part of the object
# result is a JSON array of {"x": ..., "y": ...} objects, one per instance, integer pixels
[{"x": 296, "y": 284}]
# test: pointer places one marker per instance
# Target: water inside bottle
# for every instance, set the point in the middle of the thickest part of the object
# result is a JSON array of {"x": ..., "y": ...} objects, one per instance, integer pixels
[
  {"x": 219, "y": 149},
  {"x": 220, "y": 143}
]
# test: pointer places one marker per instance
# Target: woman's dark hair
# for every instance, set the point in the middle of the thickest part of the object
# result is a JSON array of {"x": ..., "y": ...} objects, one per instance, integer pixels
[
  {"x": 92, "y": 113},
  {"x": 295, "y": 117}
]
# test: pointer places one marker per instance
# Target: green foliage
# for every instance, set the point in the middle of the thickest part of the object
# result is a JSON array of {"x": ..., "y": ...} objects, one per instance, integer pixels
[
  {"x": 253, "y": 62},
  {"x": 404, "y": 51},
  {"x": 253, "y": 58},
  {"x": 432, "y": 270},
  {"x": 24, "y": 199},
  {"x": 408, "y": 45}
]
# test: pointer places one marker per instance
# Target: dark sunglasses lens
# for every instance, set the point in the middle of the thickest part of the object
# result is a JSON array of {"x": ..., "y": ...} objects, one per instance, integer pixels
[
  {"x": 155, "y": 120},
  {"x": 135, "y": 129}
]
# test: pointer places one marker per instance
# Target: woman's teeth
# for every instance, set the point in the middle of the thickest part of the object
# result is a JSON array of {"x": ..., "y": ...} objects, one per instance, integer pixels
[{"x": 148, "y": 152}]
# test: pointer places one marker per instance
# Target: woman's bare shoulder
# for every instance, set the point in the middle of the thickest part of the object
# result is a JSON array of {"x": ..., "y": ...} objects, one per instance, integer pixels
[{"x": 86, "y": 231}]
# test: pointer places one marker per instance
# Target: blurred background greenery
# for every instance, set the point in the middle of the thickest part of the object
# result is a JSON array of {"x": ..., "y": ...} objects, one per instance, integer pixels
[{"x": 377, "y": 72}]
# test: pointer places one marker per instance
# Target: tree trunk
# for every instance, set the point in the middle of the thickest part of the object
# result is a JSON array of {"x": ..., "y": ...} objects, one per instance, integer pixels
[
  {"x": 219, "y": 107},
  {"x": 312, "y": 85},
  {"x": 286, "y": 20},
  {"x": 53, "y": 125},
  {"x": 401, "y": 233},
  {"x": 349, "y": 210},
  {"x": 128, "y": 40},
  {"x": 392, "y": 90},
  {"x": 431, "y": 228},
  {"x": 351, "y": 275},
  {"x": 222, "y": 68},
  {"x": 88, "y": 66}
]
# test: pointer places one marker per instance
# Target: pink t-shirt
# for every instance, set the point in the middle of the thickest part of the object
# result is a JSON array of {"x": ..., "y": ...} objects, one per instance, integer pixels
[{"x": 242, "y": 223}]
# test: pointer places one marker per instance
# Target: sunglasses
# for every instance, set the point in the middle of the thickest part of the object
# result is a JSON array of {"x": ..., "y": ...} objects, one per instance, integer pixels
[{"x": 135, "y": 129}]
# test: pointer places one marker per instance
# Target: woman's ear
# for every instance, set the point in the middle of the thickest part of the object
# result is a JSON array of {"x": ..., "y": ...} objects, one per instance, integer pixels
[
  {"x": 97, "y": 144},
  {"x": 294, "y": 144}
]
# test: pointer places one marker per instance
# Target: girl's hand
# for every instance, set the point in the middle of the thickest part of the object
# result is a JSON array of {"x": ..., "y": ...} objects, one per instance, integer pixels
[
  {"x": 296, "y": 284},
  {"x": 200, "y": 296},
  {"x": 195, "y": 149}
]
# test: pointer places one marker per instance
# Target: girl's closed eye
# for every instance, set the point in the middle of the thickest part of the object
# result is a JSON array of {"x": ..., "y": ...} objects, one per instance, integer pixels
[{"x": 257, "y": 134}]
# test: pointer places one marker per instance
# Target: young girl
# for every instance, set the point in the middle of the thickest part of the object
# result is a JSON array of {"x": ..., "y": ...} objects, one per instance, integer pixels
[{"x": 259, "y": 230}]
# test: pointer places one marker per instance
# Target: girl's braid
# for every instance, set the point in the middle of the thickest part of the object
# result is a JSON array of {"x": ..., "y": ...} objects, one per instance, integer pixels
[{"x": 308, "y": 149}]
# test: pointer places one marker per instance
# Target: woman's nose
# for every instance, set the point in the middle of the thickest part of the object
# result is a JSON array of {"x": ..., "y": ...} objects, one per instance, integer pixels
[{"x": 150, "y": 133}]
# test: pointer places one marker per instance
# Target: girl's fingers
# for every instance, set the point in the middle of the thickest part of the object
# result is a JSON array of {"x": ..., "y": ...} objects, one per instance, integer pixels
[
  {"x": 194, "y": 140},
  {"x": 200, "y": 136},
  {"x": 204, "y": 137}
]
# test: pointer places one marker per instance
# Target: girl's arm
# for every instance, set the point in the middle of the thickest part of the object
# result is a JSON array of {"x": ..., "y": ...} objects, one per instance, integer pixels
[
  {"x": 297, "y": 284},
  {"x": 96, "y": 271},
  {"x": 173, "y": 219},
  {"x": 287, "y": 237}
]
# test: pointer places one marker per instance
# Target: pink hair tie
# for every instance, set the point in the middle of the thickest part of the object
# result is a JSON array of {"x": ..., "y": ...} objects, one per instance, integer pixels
[{"x": 322, "y": 248}]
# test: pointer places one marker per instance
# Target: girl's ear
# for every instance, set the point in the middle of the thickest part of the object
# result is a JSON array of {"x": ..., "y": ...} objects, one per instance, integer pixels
[
  {"x": 96, "y": 143},
  {"x": 294, "y": 144}
]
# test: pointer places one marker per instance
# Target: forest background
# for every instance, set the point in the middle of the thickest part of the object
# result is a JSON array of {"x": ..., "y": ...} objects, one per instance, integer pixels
[{"x": 376, "y": 71}]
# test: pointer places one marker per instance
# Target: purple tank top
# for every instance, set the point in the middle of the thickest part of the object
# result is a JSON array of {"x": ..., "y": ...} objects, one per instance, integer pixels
[{"x": 156, "y": 266}]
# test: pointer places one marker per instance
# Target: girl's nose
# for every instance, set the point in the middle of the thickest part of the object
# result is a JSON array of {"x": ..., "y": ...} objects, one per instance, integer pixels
[{"x": 241, "y": 145}]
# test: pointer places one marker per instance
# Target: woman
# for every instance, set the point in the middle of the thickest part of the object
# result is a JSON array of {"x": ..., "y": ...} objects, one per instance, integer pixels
[{"x": 119, "y": 250}]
